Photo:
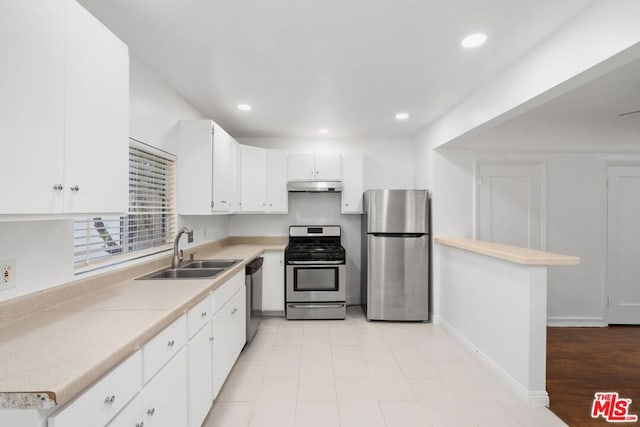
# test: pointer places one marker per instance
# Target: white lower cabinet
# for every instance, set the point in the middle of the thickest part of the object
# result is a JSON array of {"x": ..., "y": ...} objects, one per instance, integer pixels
[
  {"x": 229, "y": 334},
  {"x": 164, "y": 399},
  {"x": 273, "y": 282},
  {"x": 173, "y": 380},
  {"x": 200, "y": 393}
]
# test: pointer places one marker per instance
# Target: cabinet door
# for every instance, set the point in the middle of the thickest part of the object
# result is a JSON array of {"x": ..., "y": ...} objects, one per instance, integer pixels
[
  {"x": 277, "y": 194},
  {"x": 164, "y": 399},
  {"x": 194, "y": 167},
  {"x": 130, "y": 416},
  {"x": 96, "y": 160},
  {"x": 200, "y": 380},
  {"x": 353, "y": 183},
  {"x": 223, "y": 170},
  {"x": 252, "y": 179},
  {"x": 273, "y": 281},
  {"x": 328, "y": 167},
  {"x": 229, "y": 332},
  {"x": 301, "y": 167},
  {"x": 32, "y": 106}
]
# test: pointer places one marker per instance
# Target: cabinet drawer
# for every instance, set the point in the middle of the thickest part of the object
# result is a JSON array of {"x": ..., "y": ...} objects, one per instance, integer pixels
[
  {"x": 102, "y": 401},
  {"x": 224, "y": 293},
  {"x": 163, "y": 346},
  {"x": 198, "y": 316},
  {"x": 131, "y": 415}
]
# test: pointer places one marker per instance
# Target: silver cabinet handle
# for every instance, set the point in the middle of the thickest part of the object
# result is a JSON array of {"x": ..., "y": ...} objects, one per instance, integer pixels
[
  {"x": 109, "y": 399},
  {"x": 211, "y": 339},
  {"x": 203, "y": 314},
  {"x": 212, "y": 203},
  {"x": 234, "y": 310},
  {"x": 75, "y": 188},
  {"x": 58, "y": 187},
  {"x": 223, "y": 201},
  {"x": 140, "y": 424},
  {"x": 151, "y": 411},
  {"x": 171, "y": 343}
]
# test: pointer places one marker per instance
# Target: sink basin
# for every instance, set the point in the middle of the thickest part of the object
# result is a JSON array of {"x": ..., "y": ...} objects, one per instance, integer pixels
[
  {"x": 212, "y": 263},
  {"x": 181, "y": 273}
]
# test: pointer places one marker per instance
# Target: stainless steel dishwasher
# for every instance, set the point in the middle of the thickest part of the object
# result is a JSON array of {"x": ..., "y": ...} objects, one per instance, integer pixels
[{"x": 253, "y": 282}]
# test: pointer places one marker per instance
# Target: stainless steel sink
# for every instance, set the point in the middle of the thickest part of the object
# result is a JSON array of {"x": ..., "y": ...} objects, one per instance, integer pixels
[
  {"x": 211, "y": 263},
  {"x": 181, "y": 273}
]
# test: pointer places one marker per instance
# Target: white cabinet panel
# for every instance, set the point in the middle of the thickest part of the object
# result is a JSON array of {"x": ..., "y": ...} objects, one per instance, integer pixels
[
  {"x": 131, "y": 415},
  {"x": 301, "y": 167},
  {"x": 163, "y": 346},
  {"x": 328, "y": 167},
  {"x": 32, "y": 106},
  {"x": 273, "y": 281},
  {"x": 277, "y": 194},
  {"x": 252, "y": 179},
  {"x": 164, "y": 399},
  {"x": 353, "y": 183},
  {"x": 199, "y": 371},
  {"x": 96, "y": 116},
  {"x": 229, "y": 337},
  {"x": 104, "y": 399},
  {"x": 194, "y": 174},
  {"x": 223, "y": 170}
]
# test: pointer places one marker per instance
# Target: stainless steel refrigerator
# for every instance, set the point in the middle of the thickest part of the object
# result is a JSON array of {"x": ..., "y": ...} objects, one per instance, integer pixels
[{"x": 395, "y": 255}]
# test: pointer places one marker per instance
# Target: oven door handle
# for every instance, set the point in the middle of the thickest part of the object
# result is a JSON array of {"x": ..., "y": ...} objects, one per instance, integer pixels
[
  {"x": 315, "y": 305},
  {"x": 314, "y": 262}
]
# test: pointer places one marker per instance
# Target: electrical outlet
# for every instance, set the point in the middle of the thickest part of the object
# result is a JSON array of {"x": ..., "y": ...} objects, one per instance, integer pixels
[{"x": 7, "y": 273}]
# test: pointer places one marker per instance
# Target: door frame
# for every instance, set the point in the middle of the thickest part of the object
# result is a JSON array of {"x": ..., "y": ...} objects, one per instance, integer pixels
[
  {"x": 611, "y": 162},
  {"x": 505, "y": 161}
]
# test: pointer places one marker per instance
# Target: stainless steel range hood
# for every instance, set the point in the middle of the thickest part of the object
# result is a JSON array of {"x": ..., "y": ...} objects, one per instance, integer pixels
[{"x": 315, "y": 186}]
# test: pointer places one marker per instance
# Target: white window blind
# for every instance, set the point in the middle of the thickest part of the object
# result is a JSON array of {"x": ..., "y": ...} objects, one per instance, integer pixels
[{"x": 151, "y": 220}]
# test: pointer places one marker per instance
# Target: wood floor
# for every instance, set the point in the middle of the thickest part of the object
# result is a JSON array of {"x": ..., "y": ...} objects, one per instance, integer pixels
[{"x": 583, "y": 361}]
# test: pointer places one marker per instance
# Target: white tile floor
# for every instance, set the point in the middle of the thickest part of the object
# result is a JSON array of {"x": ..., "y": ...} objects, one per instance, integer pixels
[{"x": 358, "y": 373}]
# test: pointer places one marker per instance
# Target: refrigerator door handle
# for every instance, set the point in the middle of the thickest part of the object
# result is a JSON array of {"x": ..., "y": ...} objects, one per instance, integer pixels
[{"x": 399, "y": 235}]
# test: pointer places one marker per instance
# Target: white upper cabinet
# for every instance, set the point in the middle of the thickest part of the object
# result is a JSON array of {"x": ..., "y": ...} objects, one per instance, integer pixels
[
  {"x": 206, "y": 168},
  {"x": 277, "y": 194},
  {"x": 64, "y": 114},
  {"x": 353, "y": 183},
  {"x": 97, "y": 116},
  {"x": 328, "y": 167},
  {"x": 321, "y": 167},
  {"x": 224, "y": 158},
  {"x": 253, "y": 161},
  {"x": 263, "y": 180}
]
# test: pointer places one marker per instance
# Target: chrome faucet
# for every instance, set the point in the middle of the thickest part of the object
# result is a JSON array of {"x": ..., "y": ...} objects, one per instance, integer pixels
[{"x": 177, "y": 254}]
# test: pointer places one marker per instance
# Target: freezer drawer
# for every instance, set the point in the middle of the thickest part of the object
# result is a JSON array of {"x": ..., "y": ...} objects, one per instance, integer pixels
[{"x": 398, "y": 278}]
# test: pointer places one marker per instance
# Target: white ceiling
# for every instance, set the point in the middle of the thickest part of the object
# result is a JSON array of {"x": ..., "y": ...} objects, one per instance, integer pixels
[
  {"x": 584, "y": 119},
  {"x": 348, "y": 66}
]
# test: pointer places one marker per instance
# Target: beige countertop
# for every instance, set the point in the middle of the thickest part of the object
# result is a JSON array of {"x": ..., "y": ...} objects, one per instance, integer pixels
[
  {"x": 49, "y": 357},
  {"x": 509, "y": 253}
]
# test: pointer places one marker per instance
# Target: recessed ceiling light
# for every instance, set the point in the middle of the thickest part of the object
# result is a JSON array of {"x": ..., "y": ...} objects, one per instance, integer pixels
[
  {"x": 244, "y": 107},
  {"x": 402, "y": 116},
  {"x": 473, "y": 40},
  {"x": 323, "y": 131}
]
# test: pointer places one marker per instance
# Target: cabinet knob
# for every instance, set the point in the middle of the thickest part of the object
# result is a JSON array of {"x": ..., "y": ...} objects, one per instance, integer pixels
[
  {"x": 171, "y": 343},
  {"x": 211, "y": 339},
  {"x": 346, "y": 204},
  {"x": 75, "y": 188},
  {"x": 58, "y": 187},
  {"x": 223, "y": 201},
  {"x": 212, "y": 203},
  {"x": 270, "y": 204},
  {"x": 140, "y": 424},
  {"x": 151, "y": 411},
  {"x": 109, "y": 399},
  {"x": 203, "y": 314},
  {"x": 234, "y": 310},
  {"x": 263, "y": 204}
]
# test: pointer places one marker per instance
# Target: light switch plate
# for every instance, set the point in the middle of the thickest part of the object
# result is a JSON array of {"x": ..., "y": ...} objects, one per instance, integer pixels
[{"x": 7, "y": 273}]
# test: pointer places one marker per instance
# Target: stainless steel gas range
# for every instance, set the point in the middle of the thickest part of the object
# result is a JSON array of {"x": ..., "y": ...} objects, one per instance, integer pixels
[{"x": 315, "y": 273}]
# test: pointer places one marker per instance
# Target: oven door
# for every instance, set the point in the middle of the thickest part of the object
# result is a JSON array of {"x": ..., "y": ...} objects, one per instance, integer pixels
[{"x": 315, "y": 283}]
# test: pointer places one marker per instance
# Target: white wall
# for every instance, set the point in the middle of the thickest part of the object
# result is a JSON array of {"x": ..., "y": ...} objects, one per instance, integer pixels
[
  {"x": 388, "y": 163},
  {"x": 44, "y": 249}
]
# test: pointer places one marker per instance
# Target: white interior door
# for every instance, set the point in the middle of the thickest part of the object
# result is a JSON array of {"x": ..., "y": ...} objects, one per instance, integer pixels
[
  {"x": 624, "y": 244},
  {"x": 510, "y": 205}
]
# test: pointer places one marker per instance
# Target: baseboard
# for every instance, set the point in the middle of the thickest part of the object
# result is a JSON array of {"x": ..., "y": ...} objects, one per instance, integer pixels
[
  {"x": 532, "y": 398},
  {"x": 576, "y": 322}
]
